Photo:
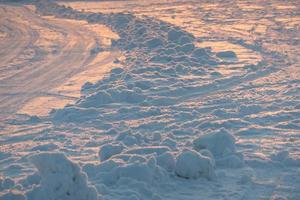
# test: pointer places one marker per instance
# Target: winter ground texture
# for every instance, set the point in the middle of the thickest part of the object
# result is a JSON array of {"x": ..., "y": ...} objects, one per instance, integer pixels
[{"x": 200, "y": 100}]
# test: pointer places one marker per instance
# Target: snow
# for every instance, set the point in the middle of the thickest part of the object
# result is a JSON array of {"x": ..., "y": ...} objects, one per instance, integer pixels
[
  {"x": 148, "y": 150},
  {"x": 154, "y": 43},
  {"x": 226, "y": 54},
  {"x": 60, "y": 179},
  {"x": 45, "y": 147},
  {"x": 31, "y": 180},
  {"x": 12, "y": 196},
  {"x": 108, "y": 150},
  {"x": 194, "y": 103},
  {"x": 220, "y": 146},
  {"x": 191, "y": 164},
  {"x": 6, "y": 183},
  {"x": 219, "y": 143},
  {"x": 97, "y": 100},
  {"x": 174, "y": 35},
  {"x": 231, "y": 161},
  {"x": 283, "y": 157},
  {"x": 166, "y": 161}
]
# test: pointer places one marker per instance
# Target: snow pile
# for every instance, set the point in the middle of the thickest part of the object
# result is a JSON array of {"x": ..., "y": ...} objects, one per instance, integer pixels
[
  {"x": 191, "y": 164},
  {"x": 136, "y": 170},
  {"x": 141, "y": 164},
  {"x": 145, "y": 171},
  {"x": 60, "y": 179},
  {"x": 222, "y": 146}
]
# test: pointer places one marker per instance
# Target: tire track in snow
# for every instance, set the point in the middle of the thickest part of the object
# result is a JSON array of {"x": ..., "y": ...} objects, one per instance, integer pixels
[{"x": 49, "y": 71}]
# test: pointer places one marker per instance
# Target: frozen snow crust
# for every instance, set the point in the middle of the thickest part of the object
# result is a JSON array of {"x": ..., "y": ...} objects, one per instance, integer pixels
[{"x": 143, "y": 129}]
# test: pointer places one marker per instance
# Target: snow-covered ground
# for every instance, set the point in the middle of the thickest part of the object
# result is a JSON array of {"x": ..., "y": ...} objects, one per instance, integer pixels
[{"x": 150, "y": 100}]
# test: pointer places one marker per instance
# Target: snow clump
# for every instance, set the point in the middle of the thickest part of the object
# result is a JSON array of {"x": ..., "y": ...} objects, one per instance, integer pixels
[
  {"x": 222, "y": 146},
  {"x": 191, "y": 164},
  {"x": 60, "y": 179}
]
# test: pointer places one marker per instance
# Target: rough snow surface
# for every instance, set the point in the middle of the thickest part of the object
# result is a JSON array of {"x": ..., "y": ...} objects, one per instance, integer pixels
[{"x": 203, "y": 103}]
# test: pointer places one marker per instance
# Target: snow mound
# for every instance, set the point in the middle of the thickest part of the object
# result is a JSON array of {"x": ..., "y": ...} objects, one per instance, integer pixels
[
  {"x": 219, "y": 143},
  {"x": 166, "y": 161},
  {"x": 108, "y": 150},
  {"x": 222, "y": 146},
  {"x": 191, "y": 164},
  {"x": 60, "y": 179}
]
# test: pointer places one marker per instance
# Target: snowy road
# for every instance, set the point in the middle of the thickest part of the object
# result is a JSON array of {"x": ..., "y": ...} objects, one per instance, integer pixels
[{"x": 40, "y": 54}]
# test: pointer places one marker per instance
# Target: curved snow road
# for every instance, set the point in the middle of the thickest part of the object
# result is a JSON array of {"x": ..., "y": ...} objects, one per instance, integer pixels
[{"x": 39, "y": 54}]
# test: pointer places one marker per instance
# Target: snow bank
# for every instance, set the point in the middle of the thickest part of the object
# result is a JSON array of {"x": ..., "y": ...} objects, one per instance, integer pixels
[
  {"x": 60, "y": 179},
  {"x": 191, "y": 164}
]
